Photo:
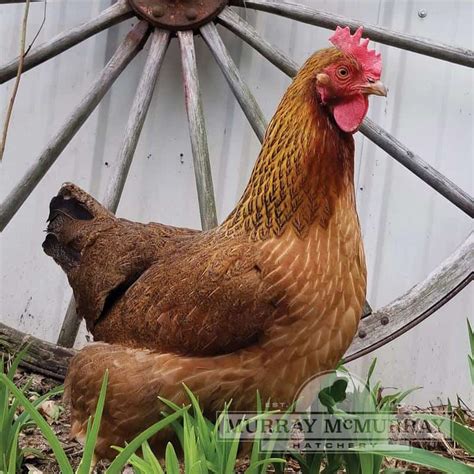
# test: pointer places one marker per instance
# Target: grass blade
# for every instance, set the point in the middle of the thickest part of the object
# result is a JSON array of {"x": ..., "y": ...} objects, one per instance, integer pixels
[
  {"x": 366, "y": 463},
  {"x": 120, "y": 461},
  {"x": 16, "y": 362},
  {"x": 200, "y": 425},
  {"x": 171, "y": 460},
  {"x": 232, "y": 453},
  {"x": 425, "y": 458},
  {"x": 13, "y": 454},
  {"x": 93, "y": 432},
  {"x": 371, "y": 371},
  {"x": 48, "y": 433},
  {"x": 150, "y": 458}
]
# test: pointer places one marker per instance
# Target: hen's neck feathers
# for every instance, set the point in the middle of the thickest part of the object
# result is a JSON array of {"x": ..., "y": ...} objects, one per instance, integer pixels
[{"x": 305, "y": 163}]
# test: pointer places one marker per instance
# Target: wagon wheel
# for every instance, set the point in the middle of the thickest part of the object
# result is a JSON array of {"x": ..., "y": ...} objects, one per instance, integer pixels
[{"x": 166, "y": 19}]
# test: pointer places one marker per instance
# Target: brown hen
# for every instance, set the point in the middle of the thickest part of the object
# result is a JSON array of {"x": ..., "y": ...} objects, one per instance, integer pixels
[{"x": 264, "y": 301}]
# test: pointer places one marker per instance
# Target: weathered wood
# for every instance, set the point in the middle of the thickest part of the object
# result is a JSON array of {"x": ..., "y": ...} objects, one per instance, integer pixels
[
  {"x": 241, "y": 91},
  {"x": 418, "y": 166},
  {"x": 317, "y": 17},
  {"x": 18, "y": 1},
  {"x": 395, "y": 319},
  {"x": 197, "y": 132},
  {"x": 246, "y": 32},
  {"x": 70, "y": 326},
  {"x": 252, "y": 37},
  {"x": 372, "y": 131},
  {"x": 67, "y": 39},
  {"x": 366, "y": 310},
  {"x": 124, "y": 54},
  {"x": 42, "y": 357},
  {"x": 141, "y": 103}
]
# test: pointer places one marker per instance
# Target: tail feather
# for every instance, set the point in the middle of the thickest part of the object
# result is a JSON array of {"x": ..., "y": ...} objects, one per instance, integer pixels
[
  {"x": 71, "y": 214},
  {"x": 66, "y": 256},
  {"x": 70, "y": 207},
  {"x": 100, "y": 254}
]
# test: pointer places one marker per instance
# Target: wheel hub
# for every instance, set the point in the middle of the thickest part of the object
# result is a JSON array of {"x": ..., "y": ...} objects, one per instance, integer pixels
[{"x": 178, "y": 15}]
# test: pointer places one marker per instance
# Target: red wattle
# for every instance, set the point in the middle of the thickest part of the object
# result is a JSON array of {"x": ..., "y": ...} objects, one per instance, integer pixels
[{"x": 350, "y": 113}]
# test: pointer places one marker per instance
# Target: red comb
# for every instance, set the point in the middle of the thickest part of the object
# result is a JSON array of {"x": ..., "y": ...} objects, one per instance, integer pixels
[{"x": 352, "y": 44}]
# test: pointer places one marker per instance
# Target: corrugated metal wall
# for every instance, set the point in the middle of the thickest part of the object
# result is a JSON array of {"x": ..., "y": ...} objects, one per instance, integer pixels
[{"x": 408, "y": 228}]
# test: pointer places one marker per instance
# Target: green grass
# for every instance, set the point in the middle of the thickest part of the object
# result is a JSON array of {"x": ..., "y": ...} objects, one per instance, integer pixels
[
  {"x": 365, "y": 399},
  {"x": 12, "y": 422},
  {"x": 204, "y": 449}
]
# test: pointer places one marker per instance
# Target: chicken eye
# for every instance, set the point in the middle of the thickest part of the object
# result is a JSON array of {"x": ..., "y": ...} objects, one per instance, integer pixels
[{"x": 342, "y": 72}]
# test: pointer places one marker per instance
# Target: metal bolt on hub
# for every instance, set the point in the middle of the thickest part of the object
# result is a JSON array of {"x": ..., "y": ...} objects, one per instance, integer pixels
[{"x": 176, "y": 15}]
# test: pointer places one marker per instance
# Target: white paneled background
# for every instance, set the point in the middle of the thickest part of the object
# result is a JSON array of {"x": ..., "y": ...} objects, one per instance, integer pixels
[{"x": 408, "y": 228}]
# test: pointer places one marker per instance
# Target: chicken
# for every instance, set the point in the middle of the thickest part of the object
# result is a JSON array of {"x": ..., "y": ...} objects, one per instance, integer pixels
[{"x": 265, "y": 301}]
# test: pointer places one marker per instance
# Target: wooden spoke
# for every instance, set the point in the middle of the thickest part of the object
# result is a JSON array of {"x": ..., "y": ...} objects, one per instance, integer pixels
[
  {"x": 18, "y": 1},
  {"x": 125, "y": 53},
  {"x": 70, "y": 326},
  {"x": 241, "y": 91},
  {"x": 313, "y": 16},
  {"x": 197, "y": 131},
  {"x": 417, "y": 304},
  {"x": 366, "y": 310},
  {"x": 67, "y": 39},
  {"x": 418, "y": 166},
  {"x": 141, "y": 103},
  {"x": 247, "y": 32},
  {"x": 372, "y": 131}
]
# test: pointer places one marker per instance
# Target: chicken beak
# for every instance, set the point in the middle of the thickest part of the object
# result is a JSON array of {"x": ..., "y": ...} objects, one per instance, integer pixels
[{"x": 375, "y": 88}]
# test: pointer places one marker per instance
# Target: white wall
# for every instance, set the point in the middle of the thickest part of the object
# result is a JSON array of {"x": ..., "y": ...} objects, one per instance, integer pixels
[{"x": 408, "y": 228}]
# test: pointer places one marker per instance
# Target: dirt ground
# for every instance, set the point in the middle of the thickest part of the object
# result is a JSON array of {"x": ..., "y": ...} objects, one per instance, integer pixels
[{"x": 39, "y": 457}]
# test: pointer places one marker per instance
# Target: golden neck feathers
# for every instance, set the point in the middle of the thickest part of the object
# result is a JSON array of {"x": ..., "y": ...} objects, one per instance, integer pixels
[{"x": 305, "y": 162}]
